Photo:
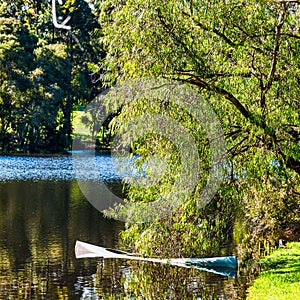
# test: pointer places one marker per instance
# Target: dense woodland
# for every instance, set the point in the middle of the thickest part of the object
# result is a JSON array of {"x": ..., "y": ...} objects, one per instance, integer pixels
[
  {"x": 241, "y": 56},
  {"x": 45, "y": 72}
]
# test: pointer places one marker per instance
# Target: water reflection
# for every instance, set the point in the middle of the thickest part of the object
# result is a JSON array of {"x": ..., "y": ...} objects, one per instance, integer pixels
[
  {"x": 140, "y": 280},
  {"x": 40, "y": 222},
  {"x": 165, "y": 282}
]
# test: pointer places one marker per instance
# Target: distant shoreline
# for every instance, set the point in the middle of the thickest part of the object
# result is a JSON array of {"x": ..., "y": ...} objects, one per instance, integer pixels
[{"x": 45, "y": 154}]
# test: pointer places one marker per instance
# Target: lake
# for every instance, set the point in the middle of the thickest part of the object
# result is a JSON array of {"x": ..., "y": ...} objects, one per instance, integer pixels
[{"x": 42, "y": 214}]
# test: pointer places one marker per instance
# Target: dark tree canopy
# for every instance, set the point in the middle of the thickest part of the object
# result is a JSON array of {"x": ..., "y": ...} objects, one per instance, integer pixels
[{"x": 45, "y": 73}]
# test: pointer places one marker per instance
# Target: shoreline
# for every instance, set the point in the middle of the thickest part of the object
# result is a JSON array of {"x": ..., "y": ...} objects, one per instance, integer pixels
[
  {"x": 280, "y": 276},
  {"x": 45, "y": 154}
]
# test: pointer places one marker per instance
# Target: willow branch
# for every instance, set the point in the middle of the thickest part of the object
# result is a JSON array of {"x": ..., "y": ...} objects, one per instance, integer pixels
[
  {"x": 202, "y": 83},
  {"x": 276, "y": 48}
]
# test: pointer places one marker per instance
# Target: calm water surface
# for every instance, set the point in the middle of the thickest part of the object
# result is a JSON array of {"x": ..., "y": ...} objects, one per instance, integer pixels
[{"x": 43, "y": 213}]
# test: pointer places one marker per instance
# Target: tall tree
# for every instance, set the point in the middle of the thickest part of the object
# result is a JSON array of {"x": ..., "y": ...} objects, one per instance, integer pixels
[
  {"x": 244, "y": 54},
  {"x": 243, "y": 57},
  {"x": 17, "y": 46},
  {"x": 45, "y": 73}
]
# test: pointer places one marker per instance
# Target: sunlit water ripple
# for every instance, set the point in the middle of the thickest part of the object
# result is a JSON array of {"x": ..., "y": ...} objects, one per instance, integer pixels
[{"x": 52, "y": 168}]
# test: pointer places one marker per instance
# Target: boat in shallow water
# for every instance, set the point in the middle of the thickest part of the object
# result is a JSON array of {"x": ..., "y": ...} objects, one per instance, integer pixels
[{"x": 226, "y": 266}]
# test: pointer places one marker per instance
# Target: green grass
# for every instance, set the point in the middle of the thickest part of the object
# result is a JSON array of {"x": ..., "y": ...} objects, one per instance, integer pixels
[
  {"x": 78, "y": 126},
  {"x": 280, "y": 278}
]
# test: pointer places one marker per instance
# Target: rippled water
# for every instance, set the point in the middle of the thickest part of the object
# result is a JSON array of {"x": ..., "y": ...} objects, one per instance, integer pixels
[
  {"x": 43, "y": 213},
  {"x": 52, "y": 168}
]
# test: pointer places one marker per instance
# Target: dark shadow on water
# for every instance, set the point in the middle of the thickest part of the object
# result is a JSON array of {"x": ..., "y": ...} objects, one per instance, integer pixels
[{"x": 40, "y": 220}]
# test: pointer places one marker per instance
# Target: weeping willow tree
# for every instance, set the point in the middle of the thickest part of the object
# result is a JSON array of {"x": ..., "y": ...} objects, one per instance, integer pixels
[{"x": 243, "y": 58}]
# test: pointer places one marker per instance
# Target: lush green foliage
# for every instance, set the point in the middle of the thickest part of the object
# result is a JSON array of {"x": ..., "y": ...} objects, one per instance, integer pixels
[
  {"x": 281, "y": 276},
  {"x": 44, "y": 73},
  {"x": 243, "y": 57}
]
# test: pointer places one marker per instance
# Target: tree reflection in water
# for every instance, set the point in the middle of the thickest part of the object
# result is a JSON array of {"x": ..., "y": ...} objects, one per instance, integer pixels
[
  {"x": 40, "y": 222},
  {"x": 142, "y": 280}
]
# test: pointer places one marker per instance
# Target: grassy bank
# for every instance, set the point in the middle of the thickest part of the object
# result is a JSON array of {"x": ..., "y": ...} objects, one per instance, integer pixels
[
  {"x": 82, "y": 133},
  {"x": 280, "y": 278},
  {"x": 78, "y": 127}
]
